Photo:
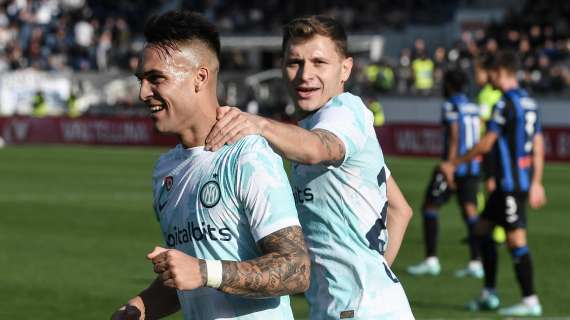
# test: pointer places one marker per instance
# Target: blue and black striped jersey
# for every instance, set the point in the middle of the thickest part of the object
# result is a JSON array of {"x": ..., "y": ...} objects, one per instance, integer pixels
[
  {"x": 458, "y": 109},
  {"x": 516, "y": 121}
]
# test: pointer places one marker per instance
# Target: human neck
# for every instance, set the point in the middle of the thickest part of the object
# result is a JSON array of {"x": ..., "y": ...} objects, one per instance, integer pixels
[
  {"x": 196, "y": 133},
  {"x": 510, "y": 85}
]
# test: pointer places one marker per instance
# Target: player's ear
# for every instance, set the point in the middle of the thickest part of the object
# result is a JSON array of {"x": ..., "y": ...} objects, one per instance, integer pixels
[
  {"x": 346, "y": 68},
  {"x": 201, "y": 78}
]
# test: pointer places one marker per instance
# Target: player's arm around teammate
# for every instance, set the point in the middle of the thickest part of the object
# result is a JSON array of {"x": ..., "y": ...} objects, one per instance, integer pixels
[
  {"x": 283, "y": 269},
  {"x": 293, "y": 142},
  {"x": 308, "y": 147}
]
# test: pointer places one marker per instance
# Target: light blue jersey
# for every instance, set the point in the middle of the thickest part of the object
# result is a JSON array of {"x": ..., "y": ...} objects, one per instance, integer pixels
[
  {"x": 218, "y": 205},
  {"x": 343, "y": 213}
]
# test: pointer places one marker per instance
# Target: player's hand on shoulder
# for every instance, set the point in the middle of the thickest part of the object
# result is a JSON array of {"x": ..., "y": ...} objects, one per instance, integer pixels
[
  {"x": 448, "y": 170},
  {"x": 232, "y": 124},
  {"x": 177, "y": 269},
  {"x": 128, "y": 312},
  {"x": 536, "y": 196}
]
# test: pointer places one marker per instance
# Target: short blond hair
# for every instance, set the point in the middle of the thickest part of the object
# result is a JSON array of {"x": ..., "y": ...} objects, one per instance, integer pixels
[{"x": 308, "y": 27}]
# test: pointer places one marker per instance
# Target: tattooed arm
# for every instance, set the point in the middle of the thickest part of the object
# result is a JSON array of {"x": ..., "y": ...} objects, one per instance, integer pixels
[
  {"x": 304, "y": 146},
  {"x": 291, "y": 141},
  {"x": 317, "y": 146},
  {"x": 283, "y": 269}
]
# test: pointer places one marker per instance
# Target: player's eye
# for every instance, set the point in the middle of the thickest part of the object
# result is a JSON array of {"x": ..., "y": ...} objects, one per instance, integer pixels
[
  {"x": 291, "y": 63},
  {"x": 319, "y": 62},
  {"x": 155, "y": 79}
]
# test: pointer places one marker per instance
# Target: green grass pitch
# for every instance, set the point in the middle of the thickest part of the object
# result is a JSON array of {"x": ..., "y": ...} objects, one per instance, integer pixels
[{"x": 76, "y": 224}]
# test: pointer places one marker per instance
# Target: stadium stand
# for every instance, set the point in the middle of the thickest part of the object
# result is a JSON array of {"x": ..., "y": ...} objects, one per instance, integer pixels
[{"x": 83, "y": 37}]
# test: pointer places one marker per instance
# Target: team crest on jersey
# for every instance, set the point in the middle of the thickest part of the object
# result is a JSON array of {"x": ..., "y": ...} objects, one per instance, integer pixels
[
  {"x": 168, "y": 182},
  {"x": 210, "y": 194}
]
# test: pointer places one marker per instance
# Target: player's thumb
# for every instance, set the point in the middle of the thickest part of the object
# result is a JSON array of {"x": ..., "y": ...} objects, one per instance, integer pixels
[{"x": 155, "y": 252}]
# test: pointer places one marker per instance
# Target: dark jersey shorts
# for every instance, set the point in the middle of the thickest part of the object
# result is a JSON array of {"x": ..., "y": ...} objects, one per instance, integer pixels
[
  {"x": 438, "y": 192},
  {"x": 507, "y": 209}
]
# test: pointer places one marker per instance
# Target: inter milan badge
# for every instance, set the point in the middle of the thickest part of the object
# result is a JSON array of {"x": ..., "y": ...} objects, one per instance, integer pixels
[
  {"x": 168, "y": 181},
  {"x": 210, "y": 194}
]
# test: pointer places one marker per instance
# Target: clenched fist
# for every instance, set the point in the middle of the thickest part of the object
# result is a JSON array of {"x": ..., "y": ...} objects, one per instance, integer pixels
[{"x": 177, "y": 269}]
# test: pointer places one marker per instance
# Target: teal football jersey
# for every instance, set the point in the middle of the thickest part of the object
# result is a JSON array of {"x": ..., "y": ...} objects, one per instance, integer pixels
[
  {"x": 217, "y": 205},
  {"x": 343, "y": 213}
]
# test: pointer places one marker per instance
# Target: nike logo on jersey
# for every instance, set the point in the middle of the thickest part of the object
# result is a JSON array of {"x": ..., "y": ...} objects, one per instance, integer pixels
[{"x": 163, "y": 197}]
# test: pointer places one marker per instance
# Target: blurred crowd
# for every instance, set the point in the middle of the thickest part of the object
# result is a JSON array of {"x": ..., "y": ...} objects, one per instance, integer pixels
[
  {"x": 60, "y": 35},
  {"x": 98, "y": 35},
  {"x": 262, "y": 16},
  {"x": 540, "y": 34},
  {"x": 105, "y": 35}
]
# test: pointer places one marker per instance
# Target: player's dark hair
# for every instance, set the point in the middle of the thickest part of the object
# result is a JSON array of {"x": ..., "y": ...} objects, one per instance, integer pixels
[
  {"x": 175, "y": 28},
  {"x": 454, "y": 81},
  {"x": 308, "y": 27},
  {"x": 505, "y": 59}
]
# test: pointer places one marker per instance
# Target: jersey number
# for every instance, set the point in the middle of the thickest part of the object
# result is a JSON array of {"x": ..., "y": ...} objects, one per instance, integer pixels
[
  {"x": 529, "y": 122},
  {"x": 511, "y": 209},
  {"x": 377, "y": 236},
  {"x": 471, "y": 124}
]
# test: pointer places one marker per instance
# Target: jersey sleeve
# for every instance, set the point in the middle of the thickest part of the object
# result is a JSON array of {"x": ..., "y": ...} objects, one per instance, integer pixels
[
  {"x": 388, "y": 172},
  {"x": 264, "y": 190},
  {"x": 450, "y": 113},
  {"x": 538, "y": 124},
  {"x": 498, "y": 118},
  {"x": 345, "y": 123}
]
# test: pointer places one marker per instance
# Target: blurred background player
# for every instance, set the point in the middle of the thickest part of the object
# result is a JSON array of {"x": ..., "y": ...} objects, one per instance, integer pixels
[
  {"x": 514, "y": 131},
  {"x": 487, "y": 97},
  {"x": 227, "y": 217},
  {"x": 460, "y": 120},
  {"x": 346, "y": 196}
]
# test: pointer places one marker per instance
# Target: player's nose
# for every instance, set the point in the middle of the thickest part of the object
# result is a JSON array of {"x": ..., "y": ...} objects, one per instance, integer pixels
[
  {"x": 307, "y": 72},
  {"x": 145, "y": 91}
]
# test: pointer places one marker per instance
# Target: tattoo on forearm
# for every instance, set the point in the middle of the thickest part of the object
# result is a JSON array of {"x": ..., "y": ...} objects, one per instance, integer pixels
[
  {"x": 283, "y": 269},
  {"x": 333, "y": 145}
]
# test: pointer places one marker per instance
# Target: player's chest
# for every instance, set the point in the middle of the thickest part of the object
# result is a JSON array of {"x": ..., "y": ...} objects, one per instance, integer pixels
[{"x": 194, "y": 194}]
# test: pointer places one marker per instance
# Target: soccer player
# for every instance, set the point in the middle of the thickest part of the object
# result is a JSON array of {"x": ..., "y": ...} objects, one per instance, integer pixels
[
  {"x": 228, "y": 217},
  {"x": 515, "y": 132},
  {"x": 488, "y": 96},
  {"x": 460, "y": 120},
  {"x": 345, "y": 194}
]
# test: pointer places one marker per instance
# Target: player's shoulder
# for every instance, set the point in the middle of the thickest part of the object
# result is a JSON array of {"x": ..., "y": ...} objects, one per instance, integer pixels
[
  {"x": 346, "y": 100},
  {"x": 247, "y": 145},
  {"x": 251, "y": 141},
  {"x": 171, "y": 154},
  {"x": 166, "y": 159},
  {"x": 344, "y": 107},
  {"x": 449, "y": 105},
  {"x": 251, "y": 151}
]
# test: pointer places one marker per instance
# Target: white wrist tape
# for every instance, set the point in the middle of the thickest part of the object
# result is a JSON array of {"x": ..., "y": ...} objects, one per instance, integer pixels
[{"x": 214, "y": 271}]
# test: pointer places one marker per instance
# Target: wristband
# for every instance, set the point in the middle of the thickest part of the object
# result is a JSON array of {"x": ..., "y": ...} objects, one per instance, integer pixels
[{"x": 214, "y": 272}]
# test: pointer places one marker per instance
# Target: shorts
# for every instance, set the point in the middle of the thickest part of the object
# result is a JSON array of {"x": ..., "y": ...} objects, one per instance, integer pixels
[
  {"x": 438, "y": 192},
  {"x": 507, "y": 209},
  {"x": 488, "y": 165}
]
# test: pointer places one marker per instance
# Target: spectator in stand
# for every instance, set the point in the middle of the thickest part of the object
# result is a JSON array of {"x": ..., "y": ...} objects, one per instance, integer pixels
[
  {"x": 404, "y": 71},
  {"x": 440, "y": 64},
  {"x": 423, "y": 68}
]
